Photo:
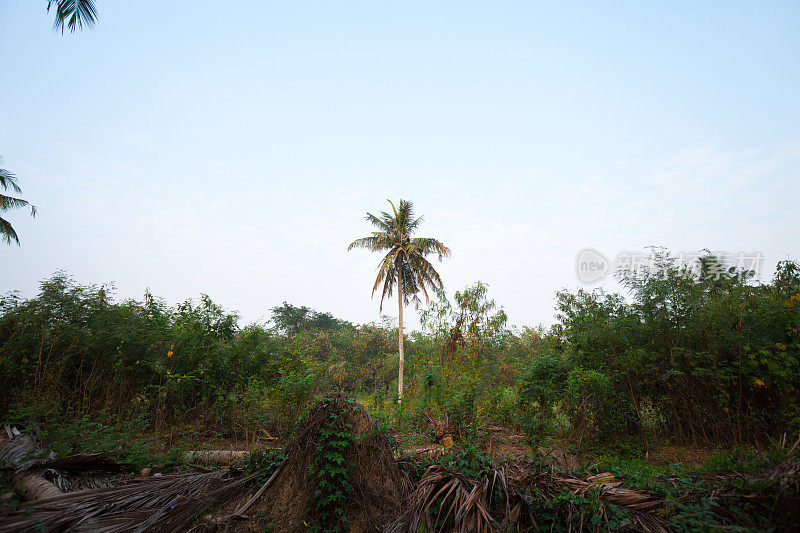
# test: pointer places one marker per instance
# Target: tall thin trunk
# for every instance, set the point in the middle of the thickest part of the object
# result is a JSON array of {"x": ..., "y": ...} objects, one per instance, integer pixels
[{"x": 400, "y": 333}]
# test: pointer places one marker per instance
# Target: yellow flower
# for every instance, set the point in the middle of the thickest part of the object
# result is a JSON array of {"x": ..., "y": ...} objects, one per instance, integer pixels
[
  {"x": 137, "y": 362},
  {"x": 758, "y": 383}
]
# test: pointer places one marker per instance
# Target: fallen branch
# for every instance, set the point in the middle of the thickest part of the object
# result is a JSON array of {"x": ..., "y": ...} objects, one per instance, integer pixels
[
  {"x": 215, "y": 457},
  {"x": 241, "y": 510}
]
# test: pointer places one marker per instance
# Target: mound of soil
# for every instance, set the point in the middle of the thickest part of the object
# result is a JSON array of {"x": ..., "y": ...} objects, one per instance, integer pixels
[{"x": 379, "y": 488}]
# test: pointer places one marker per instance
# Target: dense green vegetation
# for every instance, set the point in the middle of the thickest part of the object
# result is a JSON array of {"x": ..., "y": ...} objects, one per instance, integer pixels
[
  {"x": 690, "y": 358},
  {"x": 696, "y": 356}
]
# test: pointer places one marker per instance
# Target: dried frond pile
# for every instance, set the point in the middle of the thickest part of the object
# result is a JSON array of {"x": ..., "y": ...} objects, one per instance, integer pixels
[
  {"x": 163, "y": 503},
  {"x": 506, "y": 498},
  {"x": 444, "y": 496},
  {"x": 20, "y": 449},
  {"x": 91, "y": 492},
  {"x": 37, "y": 473}
]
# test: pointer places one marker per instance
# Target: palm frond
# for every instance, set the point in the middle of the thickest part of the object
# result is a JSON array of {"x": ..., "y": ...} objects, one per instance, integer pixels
[
  {"x": 8, "y": 179},
  {"x": 428, "y": 245},
  {"x": 9, "y": 202},
  {"x": 386, "y": 275},
  {"x": 443, "y": 495},
  {"x": 7, "y": 232},
  {"x": 165, "y": 503},
  {"x": 377, "y": 241},
  {"x": 505, "y": 498},
  {"x": 379, "y": 222},
  {"x": 73, "y": 14}
]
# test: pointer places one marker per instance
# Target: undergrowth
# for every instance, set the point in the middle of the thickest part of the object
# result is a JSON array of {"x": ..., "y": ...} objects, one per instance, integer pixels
[{"x": 68, "y": 433}]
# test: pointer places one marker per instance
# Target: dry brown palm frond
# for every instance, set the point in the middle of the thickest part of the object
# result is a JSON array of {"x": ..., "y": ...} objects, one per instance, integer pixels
[
  {"x": 79, "y": 472},
  {"x": 38, "y": 474},
  {"x": 473, "y": 513},
  {"x": 174, "y": 499},
  {"x": 647, "y": 522},
  {"x": 18, "y": 450},
  {"x": 442, "y": 497},
  {"x": 505, "y": 498},
  {"x": 612, "y": 492},
  {"x": 520, "y": 516},
  {"x": 72, "y": 483}
]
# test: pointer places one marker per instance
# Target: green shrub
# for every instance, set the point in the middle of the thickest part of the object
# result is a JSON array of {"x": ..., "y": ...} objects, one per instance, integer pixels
[
  {"x": 542, "y": 386},
  {"x": 592, "y": 406}
]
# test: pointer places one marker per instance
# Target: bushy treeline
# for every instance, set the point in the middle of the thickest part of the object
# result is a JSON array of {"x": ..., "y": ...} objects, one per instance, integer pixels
[
  {"x": 705, "y": 355},
  {"x": 698, "y": 354},
  {"x": 74, "y": 352}
]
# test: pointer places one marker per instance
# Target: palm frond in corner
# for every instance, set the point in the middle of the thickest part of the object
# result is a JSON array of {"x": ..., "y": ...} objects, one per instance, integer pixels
[{"x": 73, "y": 14}]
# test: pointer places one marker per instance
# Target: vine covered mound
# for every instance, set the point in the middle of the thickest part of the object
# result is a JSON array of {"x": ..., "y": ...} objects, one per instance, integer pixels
[{"x": 339, "y": 474}]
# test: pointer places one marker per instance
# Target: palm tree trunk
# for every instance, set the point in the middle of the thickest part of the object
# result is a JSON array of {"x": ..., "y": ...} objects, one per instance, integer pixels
[{"x": 400, "y": 333}]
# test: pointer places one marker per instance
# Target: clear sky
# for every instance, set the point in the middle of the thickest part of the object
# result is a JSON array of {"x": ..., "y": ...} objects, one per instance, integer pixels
[{"x": 233, "y": 148}]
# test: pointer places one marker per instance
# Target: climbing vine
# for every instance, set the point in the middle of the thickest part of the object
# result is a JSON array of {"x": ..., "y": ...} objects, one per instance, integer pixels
[{"x": 331, "y": 470}]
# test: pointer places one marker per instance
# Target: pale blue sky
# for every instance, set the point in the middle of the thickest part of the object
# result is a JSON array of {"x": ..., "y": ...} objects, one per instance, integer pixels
[{"x": 232, "y": 148}]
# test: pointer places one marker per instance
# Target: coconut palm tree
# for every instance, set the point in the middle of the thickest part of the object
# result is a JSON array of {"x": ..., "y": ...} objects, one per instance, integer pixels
[
  {"x": 404, "y": 266},
  {"x": 73, "y": 14},
  {"x": 9, "y": 181}
]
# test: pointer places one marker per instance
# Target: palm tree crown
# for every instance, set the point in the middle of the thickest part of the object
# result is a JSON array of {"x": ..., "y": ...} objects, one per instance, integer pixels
[
  {"x": 9, "y": 181},
  {"x": 406, "y": 257}
]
